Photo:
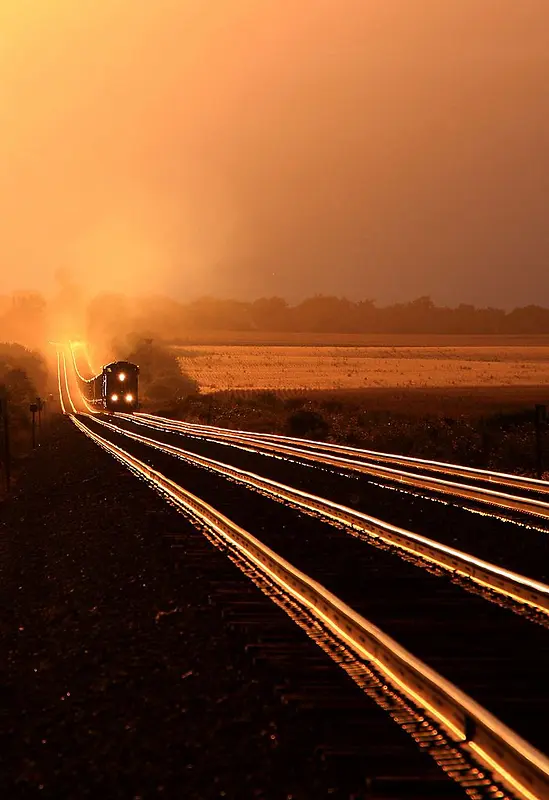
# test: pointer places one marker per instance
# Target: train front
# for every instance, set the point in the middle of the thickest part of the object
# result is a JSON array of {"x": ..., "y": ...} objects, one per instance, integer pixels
[{"x": 120, "y": 386}]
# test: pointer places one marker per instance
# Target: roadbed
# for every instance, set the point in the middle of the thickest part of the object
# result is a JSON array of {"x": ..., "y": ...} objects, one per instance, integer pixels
[{"x": 121, "y": 676}]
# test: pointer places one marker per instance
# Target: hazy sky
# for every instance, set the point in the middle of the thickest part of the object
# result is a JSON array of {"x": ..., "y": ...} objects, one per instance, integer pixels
[{"x": 372, "y": 148}]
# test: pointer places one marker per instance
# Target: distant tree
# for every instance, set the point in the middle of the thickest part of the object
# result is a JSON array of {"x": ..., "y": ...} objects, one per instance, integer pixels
[
  {"x": 208, "y": 313},
  {"x": 163, "y": 316},
  {"x": 161, "y": 377},
  {"x": 528, "y": 319},
  {"x": 30, "y": 362},
  {"x": 21, "y": 391},
  {"x": 24, "y": 319},
  {"x": 367, "y": 317},
  {"x": 324, "y": 314},
  {"x": 270, "y": 314},
  {"x": 492, "y": 320},
  {"x": 22, "y": 378}
]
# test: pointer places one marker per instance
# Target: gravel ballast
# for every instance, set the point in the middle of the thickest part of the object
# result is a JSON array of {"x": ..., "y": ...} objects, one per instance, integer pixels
[{"x": 120, "y": 675}]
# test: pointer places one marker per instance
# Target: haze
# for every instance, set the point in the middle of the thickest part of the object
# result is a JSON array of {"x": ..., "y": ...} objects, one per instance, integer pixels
[{"x": 369, "y": 148}]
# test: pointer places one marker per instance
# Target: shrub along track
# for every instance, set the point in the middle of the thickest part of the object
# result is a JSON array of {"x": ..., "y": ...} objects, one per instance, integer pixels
[
  {"x": 141, "y": 662},
  {"x": 460, "y": 635}
]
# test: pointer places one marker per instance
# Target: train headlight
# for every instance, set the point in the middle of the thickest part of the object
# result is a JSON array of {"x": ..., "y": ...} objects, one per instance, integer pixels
[
  {"x": 114, "y": 397},
  {"x": 129, "y": 398},
  {"x": 122, "y": 376}
]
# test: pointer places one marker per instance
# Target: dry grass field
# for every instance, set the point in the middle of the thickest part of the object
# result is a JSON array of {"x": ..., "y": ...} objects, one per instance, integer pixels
[
  {"x": 298, "y": 362},
  {"x": 293, "y": 339},
  {"x": 464, "y": 399}
]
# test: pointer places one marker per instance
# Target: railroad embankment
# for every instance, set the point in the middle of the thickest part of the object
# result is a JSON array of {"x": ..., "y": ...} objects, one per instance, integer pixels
[{"x": 128, "y": 670}]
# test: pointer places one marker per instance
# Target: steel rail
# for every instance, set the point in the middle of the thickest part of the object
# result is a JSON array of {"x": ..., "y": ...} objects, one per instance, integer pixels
[
  {"x": 72, "y": 345},
  {"x": 62, "y": 402},
  {"x": 474, "y": 473},
  {"x": 513, "y": 585},
  {"x": 490, "y": 497},
  {"x": 90, "y": 409},
  {"x": 73, "y": 407},
  {"x": 518, "y": 765}
]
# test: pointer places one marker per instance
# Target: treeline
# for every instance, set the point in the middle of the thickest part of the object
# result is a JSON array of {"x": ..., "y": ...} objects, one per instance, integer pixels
[
  {"x": 24, "y": 318},
  {"x": 23, "y": 377},
  {"x": 29, "y": 318},
  {"x": 23, "y": 372},
  {"x": 319, "y": 314}
]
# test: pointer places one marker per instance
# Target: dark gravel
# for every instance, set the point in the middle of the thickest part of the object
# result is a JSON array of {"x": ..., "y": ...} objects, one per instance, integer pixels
[
  {"x": 463, "y": 636},
  {"x": 121, "y": 675},
  {"x": 522, "y": 549}
]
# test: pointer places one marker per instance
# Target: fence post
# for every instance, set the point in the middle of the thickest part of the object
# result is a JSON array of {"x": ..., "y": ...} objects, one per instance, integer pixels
[
  {"x": 33, "y": 408},
  {"x": 40, "y": 406}
]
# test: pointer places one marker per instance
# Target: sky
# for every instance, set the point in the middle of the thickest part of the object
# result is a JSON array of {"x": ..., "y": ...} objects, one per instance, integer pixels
[{"x": 381, "y": 149}]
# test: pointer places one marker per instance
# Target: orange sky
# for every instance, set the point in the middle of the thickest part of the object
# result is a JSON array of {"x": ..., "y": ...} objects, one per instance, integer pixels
[{"x": 374, "y": 148}]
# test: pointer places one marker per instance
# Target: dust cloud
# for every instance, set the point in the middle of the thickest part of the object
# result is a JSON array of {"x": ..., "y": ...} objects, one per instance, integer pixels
[{"x": 382, "y": 149}]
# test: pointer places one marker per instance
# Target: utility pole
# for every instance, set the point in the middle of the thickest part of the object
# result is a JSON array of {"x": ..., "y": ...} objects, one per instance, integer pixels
[
  {"x": 33, "y": 408},
  {"x": 40, "y": 406}
]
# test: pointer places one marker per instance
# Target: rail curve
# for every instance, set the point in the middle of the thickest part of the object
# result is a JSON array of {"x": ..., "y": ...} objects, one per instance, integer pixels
[
  {"x": 430, "y": 465},
  {"x": 487, "y": 497},
  {"x": 518, "y": 587},
  {"x": 518, "y": 765}
]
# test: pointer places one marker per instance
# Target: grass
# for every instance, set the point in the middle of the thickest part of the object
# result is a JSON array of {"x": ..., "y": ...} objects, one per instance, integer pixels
[
  {"x": 493, "y": 430},
  {"x": 294, "y": 339},
  {"x": 465, "y": 399},
  {"x": 337, "y": 367}
]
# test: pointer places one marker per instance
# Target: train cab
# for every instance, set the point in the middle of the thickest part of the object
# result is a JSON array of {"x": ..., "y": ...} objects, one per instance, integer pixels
[{"x": 120, "y": 386}]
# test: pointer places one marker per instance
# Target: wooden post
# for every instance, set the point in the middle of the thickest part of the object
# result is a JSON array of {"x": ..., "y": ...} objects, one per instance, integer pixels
[
  {"x": 40, "y": 406},
  {"x": 33, "y": 409}
]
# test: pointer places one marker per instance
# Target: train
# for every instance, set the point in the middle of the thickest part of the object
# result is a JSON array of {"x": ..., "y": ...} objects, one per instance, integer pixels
[{"x": 116, "y": 388}]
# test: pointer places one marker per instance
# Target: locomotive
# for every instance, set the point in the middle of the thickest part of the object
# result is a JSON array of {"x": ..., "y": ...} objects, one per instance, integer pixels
[{"x": 115, "y": 388}]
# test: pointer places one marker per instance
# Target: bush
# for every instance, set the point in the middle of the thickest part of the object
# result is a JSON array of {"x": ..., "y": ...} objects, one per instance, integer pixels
[
  {"x": 269, "y": 399},
  {"x": 293, "y": 403},
  {"x": 307, "y": 423},
  {"x": 29, "y": 362},
  {"x": 23, "y": 377},
  {"x": 161, "y": 378}
]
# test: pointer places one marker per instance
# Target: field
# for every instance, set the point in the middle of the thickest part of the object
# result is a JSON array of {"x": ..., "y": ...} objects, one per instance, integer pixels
[
  {"x": 465, "y": 399},
  {"x": 298, "y": 362},
  {"x": 289, "y": 339}
]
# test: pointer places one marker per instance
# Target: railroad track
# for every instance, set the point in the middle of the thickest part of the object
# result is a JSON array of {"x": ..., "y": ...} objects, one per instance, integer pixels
[
  {"x": 522, "y": 778},
  {"x": 510, "y": 545},
  {"x": 483, "y": 476},
  {"x": 518, "y": 588},
  {"x": 523, "y": 497},
  {"x": 534, "y": 594},
  {"x": 465, "y": 727}
]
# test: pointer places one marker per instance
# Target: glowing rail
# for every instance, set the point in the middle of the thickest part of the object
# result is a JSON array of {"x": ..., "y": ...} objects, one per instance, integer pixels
[
  {"x": 445, "y": 468},
  {"x": 489, "y": 497},
  {"x": 503, "y": 581},
  {"x": 72, "y": 346},
  {"x": 518, "y": 765},
  {"x": 63, "y": 408},
  {"x": 73, "y": 407}
]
